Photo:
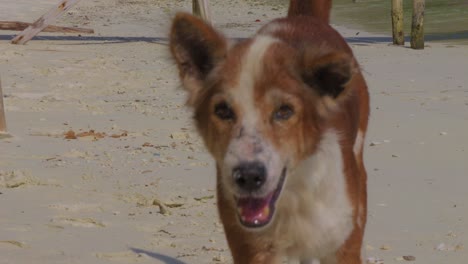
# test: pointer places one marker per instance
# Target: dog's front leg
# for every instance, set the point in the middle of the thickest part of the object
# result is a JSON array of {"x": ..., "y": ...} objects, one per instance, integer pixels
[
  {"x": 247, "y": 256},
  {"x": 260, "y": 258},
  {"x": 250, "y": 248},
  {"x": 310, "y": 261}
]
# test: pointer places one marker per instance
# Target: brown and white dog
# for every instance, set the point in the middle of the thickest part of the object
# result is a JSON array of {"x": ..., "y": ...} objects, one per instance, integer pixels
[{"x": 284, "y": 115}]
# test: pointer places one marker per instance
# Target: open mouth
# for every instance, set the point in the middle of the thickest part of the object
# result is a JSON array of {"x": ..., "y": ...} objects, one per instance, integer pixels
[{"x": 257, "y": 212}]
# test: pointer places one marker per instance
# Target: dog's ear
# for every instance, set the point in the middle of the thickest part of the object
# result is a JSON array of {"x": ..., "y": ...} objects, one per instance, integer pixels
[
  {"x": 328, "y": 73},
  {"x": 196, "y": 48}
]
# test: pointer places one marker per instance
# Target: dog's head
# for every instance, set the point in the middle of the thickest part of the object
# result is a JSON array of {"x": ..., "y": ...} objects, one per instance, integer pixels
[{"x": 260, "y": 105}]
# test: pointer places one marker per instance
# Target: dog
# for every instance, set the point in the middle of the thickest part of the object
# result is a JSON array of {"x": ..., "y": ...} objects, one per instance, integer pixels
[{"x": 284, "y": 115}]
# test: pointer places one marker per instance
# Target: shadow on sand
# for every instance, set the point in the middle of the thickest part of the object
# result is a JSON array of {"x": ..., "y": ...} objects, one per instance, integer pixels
[
  {"x": 89, "y": 40},
  {"x": 96, "y": 39},
  {"x": 161, "y": 257}
]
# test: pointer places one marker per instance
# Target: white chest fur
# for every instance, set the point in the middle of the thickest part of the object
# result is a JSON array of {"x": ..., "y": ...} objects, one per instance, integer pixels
[{"x": 314, "y": 215}]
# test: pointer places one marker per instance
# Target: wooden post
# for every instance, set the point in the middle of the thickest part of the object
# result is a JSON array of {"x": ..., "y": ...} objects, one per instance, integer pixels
[
  {"x": 43, "y": 22},
  {"x": 397, "y": 22},
  {"x": 201, "y": 8},
  {"x": 196, "y": 8},
  {"x": 3, "y": 128},
  {"x": 417, "y": 27}
]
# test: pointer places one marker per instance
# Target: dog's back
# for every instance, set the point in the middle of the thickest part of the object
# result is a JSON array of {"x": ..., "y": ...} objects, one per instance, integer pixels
[{"x": 315, "y": 8}]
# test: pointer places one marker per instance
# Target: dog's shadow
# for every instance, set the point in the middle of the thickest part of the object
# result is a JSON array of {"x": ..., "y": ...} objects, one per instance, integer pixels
[{"x": 161, "y": 257}]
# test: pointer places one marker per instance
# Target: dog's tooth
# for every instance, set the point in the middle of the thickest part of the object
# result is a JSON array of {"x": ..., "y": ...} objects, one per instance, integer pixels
[
  {"x": 266, "y": 211},
  {"x": 239, "y": 210}
]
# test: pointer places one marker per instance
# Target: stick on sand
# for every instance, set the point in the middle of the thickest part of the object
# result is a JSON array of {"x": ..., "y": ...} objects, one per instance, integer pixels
[
  {"x": 16, "y": 25},
  {"x": 43, "y": 22}
]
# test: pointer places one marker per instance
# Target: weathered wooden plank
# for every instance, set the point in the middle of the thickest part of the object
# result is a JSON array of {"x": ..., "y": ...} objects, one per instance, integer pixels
[
  {"x": 417, "y": 27},
  {"x": 397, "y": 22},
  {"x": 43, "y": 22},
  {"x": 17, "y": 25},
  {"x": 201, "y": 8},
  {"x": 3, "y": 127}
]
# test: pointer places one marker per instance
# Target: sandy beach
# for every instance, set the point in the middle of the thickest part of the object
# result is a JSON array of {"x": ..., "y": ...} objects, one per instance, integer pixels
[{"x": 103, "y": 165}]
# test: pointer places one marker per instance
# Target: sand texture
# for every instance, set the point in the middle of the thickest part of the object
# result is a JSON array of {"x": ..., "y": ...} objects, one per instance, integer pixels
[{"x": 104, "y": 166}]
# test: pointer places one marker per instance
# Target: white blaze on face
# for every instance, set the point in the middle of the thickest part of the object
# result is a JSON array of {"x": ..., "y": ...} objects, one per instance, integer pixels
[
  {"x": 251, "y": 68},
  {"x": 246, "y": 147}
]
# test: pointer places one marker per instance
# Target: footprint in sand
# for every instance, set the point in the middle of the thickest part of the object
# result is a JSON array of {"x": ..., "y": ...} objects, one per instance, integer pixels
[
  {"x": 16, "y": 178},
  {"x": 77, "y": 222},
  {"x": 79, "y": 207},
  {"x": 11, "y": 244},
  {"x": 123, "y": 256},
  {"x": 21, "y": 178}
]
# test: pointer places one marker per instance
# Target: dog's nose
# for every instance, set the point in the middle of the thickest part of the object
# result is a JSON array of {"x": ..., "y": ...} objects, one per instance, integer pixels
[{"x": 250, "y": 176}]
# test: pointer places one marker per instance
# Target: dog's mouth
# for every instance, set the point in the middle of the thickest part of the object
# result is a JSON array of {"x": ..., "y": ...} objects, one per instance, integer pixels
[{"x": 254, "y": 212}]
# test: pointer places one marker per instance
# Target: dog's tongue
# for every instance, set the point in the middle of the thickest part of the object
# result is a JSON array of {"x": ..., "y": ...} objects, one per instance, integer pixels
[{"x": 254, "y": 212}]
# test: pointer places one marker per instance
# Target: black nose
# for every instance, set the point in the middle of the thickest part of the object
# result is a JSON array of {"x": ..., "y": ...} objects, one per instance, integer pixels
[{"x": 249, "y": 176}]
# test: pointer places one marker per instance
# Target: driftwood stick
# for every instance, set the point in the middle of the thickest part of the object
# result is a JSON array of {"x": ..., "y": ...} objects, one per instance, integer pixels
[
  {"x": 3, "y": 127},
  {"x": 43, "y": 22},
  {"x": 16, "y": 25}
]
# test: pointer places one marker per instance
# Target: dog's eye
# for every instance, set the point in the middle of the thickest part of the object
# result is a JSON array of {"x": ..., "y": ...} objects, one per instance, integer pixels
[
  {"x": 284, "y": 112},
  {"x": 224, "y": 112}
]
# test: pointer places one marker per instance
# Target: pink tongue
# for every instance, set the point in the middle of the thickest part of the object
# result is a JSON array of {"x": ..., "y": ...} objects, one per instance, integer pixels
[{"x": 254, "y": 211}]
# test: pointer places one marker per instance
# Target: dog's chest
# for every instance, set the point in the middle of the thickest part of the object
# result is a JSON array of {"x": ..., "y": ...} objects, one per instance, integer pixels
[{"x": 315, "y": 217}]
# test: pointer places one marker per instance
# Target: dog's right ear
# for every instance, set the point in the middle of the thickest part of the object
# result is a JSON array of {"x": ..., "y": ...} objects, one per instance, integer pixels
[{"x": 197, "y": 48}]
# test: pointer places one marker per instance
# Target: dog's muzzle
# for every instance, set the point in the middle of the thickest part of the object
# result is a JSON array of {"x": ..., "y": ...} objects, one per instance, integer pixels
[{"x": 255, "y": 211}]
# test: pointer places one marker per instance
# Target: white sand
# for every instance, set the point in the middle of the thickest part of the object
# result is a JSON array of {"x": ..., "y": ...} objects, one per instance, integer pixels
[{"x": 90, "y": 200}]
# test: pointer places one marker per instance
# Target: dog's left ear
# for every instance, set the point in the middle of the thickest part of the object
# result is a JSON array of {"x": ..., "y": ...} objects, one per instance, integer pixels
[
  {"x": 196, "y": 48},
  {"x": 329, "y": 73}
]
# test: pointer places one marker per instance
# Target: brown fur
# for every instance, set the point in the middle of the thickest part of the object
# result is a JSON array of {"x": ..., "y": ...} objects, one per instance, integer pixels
[
  {"x": 316, "y": 8},
  {"x": 303, "y": 69}
]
